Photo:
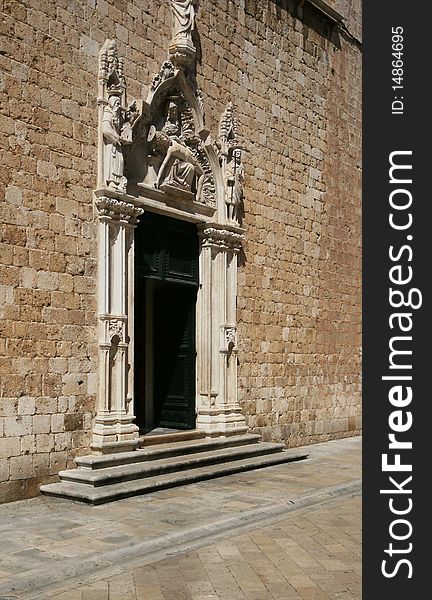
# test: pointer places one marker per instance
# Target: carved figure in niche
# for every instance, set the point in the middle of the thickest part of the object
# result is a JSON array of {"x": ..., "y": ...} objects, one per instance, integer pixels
[
  {"x": 116, "y": 131},
  {"x": 234, "y": 178},
  {"x": 232, "y": 165},
  {"x": 180, "y": 166},
  {"x": 184, "y": 13}
]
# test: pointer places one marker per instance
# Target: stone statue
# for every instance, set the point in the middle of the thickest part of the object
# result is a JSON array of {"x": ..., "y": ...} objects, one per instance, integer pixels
[
  {"x": 184, "y": 13},
  {"x": 234, "y": 178},
  {"x": 180, "y": 166},
  {"x": 113, "y": 124}
]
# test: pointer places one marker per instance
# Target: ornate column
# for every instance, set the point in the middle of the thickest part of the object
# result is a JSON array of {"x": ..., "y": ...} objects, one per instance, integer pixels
[
  {"x": 218, "y": 410},
  {"x": 114, "y": 430}
]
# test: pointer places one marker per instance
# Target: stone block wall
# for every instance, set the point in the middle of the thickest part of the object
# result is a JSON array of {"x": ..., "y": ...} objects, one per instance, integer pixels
[
  {"x": 296, "y": 88},
  {"x": 300, "y": 287}
]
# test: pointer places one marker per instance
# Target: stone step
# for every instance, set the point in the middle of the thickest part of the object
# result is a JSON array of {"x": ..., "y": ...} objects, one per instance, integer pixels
[
  {"x": 152, "y": 468},
  {"x": 165, "y": 450},
  {"x": 151, "y": 439},
  {"x": 109, "y": 493}
]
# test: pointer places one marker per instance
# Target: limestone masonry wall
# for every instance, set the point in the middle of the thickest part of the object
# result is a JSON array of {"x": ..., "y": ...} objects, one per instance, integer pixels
[
  {"x": 296, "y": 86},
  {"x": 299, "y": 294}
]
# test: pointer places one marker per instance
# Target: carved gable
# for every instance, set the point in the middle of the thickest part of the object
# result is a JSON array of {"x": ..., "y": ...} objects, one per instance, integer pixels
[
  {"x": 162, "y": 151},
  {"x": 168, "y": 152}
]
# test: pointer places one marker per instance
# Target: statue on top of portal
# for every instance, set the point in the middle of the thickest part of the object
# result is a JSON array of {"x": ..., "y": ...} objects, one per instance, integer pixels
[{"x": 183, "y": 13}]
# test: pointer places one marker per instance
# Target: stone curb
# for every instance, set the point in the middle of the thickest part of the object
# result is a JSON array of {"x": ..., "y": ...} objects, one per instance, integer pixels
[{"x": 31, "y": 586}]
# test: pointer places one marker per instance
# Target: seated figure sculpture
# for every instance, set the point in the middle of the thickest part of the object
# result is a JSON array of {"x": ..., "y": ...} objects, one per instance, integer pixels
[{"x": 180, "y": 166}]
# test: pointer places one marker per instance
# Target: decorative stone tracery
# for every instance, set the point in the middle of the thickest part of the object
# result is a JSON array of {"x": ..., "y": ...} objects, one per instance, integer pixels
[{"x": 161, "y": 157}]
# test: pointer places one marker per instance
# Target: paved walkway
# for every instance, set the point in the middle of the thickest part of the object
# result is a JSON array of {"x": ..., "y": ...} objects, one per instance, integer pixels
[{"x": 286, "y": 532}]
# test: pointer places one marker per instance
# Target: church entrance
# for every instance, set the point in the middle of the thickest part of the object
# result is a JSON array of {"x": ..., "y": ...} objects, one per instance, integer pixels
[
  {"x": 166, "y": 283},
  {"x": 169, "y": 206}
]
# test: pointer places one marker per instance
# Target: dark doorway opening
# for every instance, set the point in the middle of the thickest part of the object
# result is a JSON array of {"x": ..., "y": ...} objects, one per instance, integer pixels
[{"x": 166, "y": 283}]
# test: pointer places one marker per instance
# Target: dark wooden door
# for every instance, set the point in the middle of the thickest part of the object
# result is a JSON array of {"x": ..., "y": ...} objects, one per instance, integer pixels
[
  {"x": 166, "y": 267},
  {"x": 174, "y": 355}
]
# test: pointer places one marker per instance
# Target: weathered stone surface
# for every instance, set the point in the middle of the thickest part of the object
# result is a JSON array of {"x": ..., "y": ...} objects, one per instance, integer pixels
[
  {"x": 21, "y": 467},
  {"x": 9, "y": 446},
  {"x": 297, "y": 98}
]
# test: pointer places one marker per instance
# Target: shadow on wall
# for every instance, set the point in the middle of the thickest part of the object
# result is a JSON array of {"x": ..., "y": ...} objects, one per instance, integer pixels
[{"x": 308, "y": 13}]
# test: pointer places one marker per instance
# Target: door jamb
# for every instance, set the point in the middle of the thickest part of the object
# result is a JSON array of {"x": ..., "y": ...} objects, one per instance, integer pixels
[{"x": 149, "y": 380}]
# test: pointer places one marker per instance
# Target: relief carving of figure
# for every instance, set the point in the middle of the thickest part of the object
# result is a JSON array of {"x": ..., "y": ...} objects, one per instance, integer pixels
[
  {"x": 113, "y": 125},
  {"x": 184, "y": 13},
  {"x": 180, "y": 166}
]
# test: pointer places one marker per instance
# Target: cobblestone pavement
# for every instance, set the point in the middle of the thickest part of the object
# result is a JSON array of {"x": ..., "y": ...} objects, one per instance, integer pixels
[
  {"x": 314, "y": 555},
  {"x": 285, "y": 532}
]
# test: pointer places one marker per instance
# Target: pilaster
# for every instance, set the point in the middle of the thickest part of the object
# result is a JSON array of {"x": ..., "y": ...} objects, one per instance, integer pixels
[
  {"x": 114, "y": 429},
  {"x": 218, "y": 410}
]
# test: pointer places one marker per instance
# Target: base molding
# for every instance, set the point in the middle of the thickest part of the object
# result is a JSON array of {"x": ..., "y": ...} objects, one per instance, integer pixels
[
  {"x": 221, "y": 422},
  {"x": 113, "y": 434}
]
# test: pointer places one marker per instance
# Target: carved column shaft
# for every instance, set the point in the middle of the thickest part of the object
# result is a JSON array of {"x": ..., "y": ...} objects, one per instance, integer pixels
[
  {"x": 114, "y": 429},
  {"x": 220, "y": 295},
  {"x": 204, "y": 333},
  {"x": 231, "y": 330},
  {"x": 218, "y": 410},
  {"x": 130, "y": 307}
]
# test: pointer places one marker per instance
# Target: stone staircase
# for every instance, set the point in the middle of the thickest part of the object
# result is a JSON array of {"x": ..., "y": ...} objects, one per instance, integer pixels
[{"x": 164, "y": 463}]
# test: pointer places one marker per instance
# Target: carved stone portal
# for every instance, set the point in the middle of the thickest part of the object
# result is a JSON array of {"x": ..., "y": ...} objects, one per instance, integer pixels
[{"x": 162, "y": 158}]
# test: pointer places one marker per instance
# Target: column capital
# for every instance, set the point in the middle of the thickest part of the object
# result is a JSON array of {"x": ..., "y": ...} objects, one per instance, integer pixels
[
  {"x": 117, "y": 210},
  {"x": 216, "y": 237}
]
